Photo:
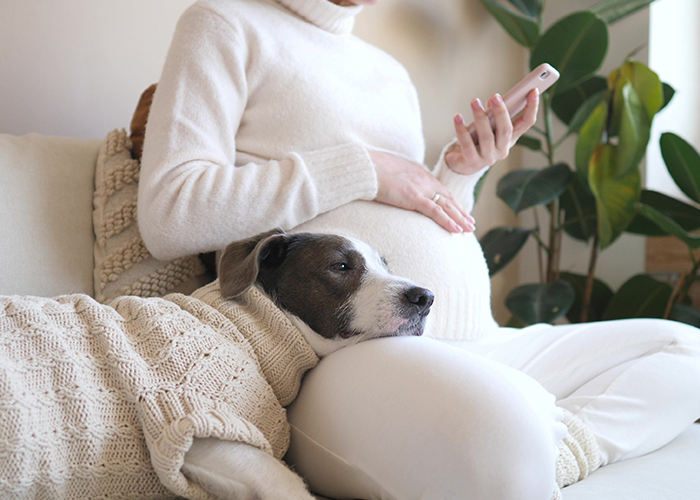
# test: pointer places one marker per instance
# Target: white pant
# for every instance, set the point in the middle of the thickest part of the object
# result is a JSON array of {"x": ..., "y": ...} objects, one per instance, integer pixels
[{"x": 413, "y": 418}]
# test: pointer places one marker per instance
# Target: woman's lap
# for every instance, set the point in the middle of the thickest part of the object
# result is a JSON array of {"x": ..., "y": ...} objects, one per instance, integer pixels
[
  {"x": 406, "y": 418},
  {"x": 635, "y": 383}
]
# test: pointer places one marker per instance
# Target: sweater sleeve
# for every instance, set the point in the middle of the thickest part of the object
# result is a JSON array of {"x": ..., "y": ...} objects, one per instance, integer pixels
[
  {"x": 461, "y": 186},
  {"x": 192, "y": 196}
]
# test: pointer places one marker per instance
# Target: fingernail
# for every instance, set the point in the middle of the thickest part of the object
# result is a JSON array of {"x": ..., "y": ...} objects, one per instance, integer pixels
[
  {"x": 459, "y": 119},
  {"x": 476, "y": 104},
  {"x": 457, "y": 228},
  {"x": 497, "y": 99}
]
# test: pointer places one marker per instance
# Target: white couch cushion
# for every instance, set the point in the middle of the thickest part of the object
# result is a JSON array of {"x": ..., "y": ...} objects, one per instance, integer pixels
[
  {"x": 46, "y": 235},
  {"x": 670, "y": 473}
]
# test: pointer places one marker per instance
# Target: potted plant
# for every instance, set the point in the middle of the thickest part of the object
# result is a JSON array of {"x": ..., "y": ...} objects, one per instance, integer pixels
[{"x": 597, "y": 196}]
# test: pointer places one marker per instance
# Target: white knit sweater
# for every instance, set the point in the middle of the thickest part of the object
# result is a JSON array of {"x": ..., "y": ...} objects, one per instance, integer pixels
[{"x": 263, "y": 117}]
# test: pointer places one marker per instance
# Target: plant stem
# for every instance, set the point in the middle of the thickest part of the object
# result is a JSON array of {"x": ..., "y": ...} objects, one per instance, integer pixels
[
  {"x": 540, "y": 245},
  {"x": 588, "y": 292},
  {"x": 535, "y": 128},
  {"x": 553, "y": 250},
  {"x": 548, "y": 127},
  {"x": 680, "y": 291},
  {"x": 552, "y": 269},
  {"x": 636, "y": 51},
  {"x": 674, "y": 295},
  {"x": 560, "y": 235}
]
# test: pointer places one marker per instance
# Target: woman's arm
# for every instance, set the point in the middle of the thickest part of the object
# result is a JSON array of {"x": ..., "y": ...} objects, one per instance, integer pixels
[{"x": 192, "y": 197}]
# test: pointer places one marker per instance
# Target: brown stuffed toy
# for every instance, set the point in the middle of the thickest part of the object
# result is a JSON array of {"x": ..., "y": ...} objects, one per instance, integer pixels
[
  {"x": 138, "y": 132},
  {"x": 138, "y": 121}
]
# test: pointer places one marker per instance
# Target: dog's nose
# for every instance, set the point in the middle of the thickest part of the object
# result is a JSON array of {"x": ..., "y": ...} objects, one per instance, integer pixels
[{"x": 421, "y": 298}]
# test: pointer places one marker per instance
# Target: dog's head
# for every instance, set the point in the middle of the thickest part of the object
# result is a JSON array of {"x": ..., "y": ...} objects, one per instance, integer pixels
[{"x": 337, "y": 290}]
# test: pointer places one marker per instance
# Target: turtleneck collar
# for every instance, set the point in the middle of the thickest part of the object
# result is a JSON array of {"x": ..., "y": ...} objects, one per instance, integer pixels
[{"x": 325, "y": 14}]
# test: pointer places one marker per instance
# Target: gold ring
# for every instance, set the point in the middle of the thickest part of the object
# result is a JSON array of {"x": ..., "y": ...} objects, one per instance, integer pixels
[{"x": 435, "y": 198}]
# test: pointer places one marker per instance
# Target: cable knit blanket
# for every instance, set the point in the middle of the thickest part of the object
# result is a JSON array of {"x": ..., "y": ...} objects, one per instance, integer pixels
[{"x": 103, "y": 401}]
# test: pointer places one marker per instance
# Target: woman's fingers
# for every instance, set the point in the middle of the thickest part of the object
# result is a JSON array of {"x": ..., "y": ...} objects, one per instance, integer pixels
[
  {"x": 407, "y": 185},
  {"x": 468, "y": 149},
  {"x": 455, "y": 211},
  {"x": 466, "y": 158},
  {"x": 434, "y": 211},
  {"x": 446, "y": 213},
  {"x": 504, "y": 126},
  {"x": 487, "y": 142},
  {"x": 529, "y": 116}
]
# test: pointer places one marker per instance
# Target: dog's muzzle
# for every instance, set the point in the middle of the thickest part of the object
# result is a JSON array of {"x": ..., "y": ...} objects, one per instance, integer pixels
[{"x": 419, "y": 300}]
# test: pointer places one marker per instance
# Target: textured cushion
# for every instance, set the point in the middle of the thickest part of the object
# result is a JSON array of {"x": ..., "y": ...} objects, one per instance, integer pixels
[
  {"x": 46, "y": 235},
  {"x": 123, "y": 265}
]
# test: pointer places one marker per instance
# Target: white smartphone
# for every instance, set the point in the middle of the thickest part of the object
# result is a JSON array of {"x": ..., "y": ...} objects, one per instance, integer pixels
[{"x": 542, "y": 77}]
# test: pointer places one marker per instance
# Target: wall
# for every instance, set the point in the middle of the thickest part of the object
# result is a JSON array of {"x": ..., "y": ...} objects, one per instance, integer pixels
[
  {"x": 677, "y": 61},
  {"x": 77, "y": 67}
]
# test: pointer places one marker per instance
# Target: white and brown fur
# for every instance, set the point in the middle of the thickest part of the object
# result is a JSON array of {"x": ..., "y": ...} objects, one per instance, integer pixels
[{"x": 337, "y": 291}]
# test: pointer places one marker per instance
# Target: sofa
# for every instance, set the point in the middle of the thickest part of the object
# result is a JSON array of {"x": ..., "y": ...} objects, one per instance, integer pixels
[{"x": 47, "y": 248}]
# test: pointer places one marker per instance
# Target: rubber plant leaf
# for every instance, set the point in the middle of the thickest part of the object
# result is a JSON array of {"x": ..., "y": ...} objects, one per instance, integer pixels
[
  {"x": 567, "y": 103},
  {"x": 575, "y": 45},
  {"x": 635, "y": 129},
  {"x": 523, "y": 29},
  {"x": 640, "y": 297},
  {"x": 645, "y": 82},
  {"x": 590, "y": 137},
  {"x": 585, "y": 110},
  {"x": 685, "y": 215},
  {"x": 501, "y": 245},
  {"x": 612, "y": 11},
  {"x": 531, "y": 143},
  {"x": 669, "y": 226},
  {"x": 669, "y": 92},
  {"x": 683, "y": 163},
  {"x": 530, "y": 8},
  {"x": 579, "y": 206},
  {"x": 527, "y": 188},
  {"x": 686, "y": 314},
  {"x": 541, "y": 303},
  {"x": 616, "y": 197},
  {"x": 600, "y": 297}
]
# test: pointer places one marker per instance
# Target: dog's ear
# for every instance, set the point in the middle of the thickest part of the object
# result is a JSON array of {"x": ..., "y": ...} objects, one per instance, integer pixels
[{"x": 240, "y": 262}]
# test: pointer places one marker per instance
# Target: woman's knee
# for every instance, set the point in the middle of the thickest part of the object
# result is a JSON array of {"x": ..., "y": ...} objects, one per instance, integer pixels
[{"x": 412, "y": 418}]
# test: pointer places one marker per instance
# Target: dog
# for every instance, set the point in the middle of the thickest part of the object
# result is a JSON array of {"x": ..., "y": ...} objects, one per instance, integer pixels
[{"x": 337, "y": 291}]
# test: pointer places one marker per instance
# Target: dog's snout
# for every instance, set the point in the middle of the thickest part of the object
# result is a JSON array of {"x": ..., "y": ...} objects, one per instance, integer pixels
[{"x": 421, "y": 298}]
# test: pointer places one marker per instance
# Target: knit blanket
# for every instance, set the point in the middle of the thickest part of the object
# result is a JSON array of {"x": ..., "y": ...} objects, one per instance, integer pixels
[{"x": 103, "y": 401}]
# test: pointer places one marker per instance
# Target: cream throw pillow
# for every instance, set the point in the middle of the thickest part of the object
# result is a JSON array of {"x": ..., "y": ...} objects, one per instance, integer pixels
[{"x": 123, "y": 265}]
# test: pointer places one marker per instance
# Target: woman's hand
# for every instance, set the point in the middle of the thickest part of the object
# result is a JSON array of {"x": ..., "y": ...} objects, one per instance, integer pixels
[
  {"x": 407, "y": 185},
  {"x": 466, "y": 158}
]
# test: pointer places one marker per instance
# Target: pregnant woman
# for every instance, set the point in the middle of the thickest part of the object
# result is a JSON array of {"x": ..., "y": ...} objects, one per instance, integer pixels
[{"x": 270, "y": 113}]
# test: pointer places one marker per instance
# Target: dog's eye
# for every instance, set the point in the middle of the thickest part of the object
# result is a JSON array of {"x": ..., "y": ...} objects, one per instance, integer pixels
[{"x": 340, "y": 266}]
